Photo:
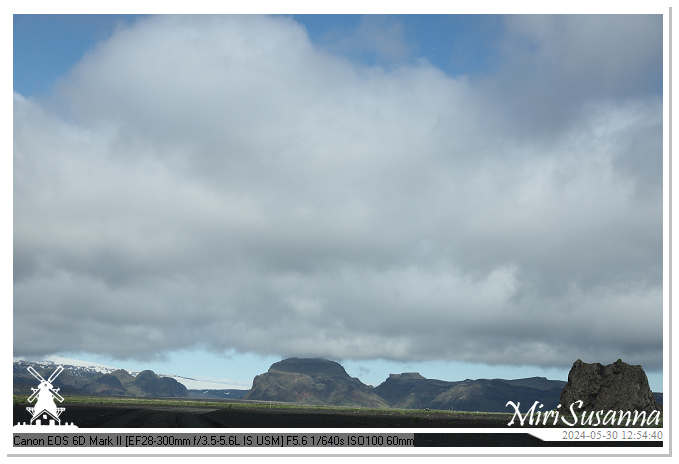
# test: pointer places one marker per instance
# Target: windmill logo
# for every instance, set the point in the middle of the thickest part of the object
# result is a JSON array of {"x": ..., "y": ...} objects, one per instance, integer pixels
[{"x": 45, "y": 408}]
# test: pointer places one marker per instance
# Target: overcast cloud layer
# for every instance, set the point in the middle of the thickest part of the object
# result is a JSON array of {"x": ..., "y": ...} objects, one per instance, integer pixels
[{"x": 221, "y": 182}]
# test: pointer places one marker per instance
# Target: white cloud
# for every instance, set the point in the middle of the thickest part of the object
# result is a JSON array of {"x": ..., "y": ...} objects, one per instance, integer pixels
[{"x": 222, "y": 182}]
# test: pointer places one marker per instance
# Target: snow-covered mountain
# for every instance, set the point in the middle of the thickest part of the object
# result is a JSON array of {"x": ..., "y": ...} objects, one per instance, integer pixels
[
  {"x": 80, "y": 366},
  {"x": 73, "y": 364}
]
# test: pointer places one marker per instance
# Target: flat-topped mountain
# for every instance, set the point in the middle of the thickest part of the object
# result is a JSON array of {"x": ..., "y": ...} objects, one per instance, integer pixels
[
  {"x": 312, "y": 381},
  {"x": 310, "y": 366}
]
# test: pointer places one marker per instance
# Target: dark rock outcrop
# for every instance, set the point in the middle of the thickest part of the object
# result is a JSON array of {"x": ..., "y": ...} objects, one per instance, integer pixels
[{"x": 615, "y": 387}]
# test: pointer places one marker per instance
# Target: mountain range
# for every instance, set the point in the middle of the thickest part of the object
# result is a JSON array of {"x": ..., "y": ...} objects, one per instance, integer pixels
[
  {"x": 83, "y": 380},
  {"x": 319, "y": 381},
  {"x": 312, "y": 381},
  {"x": 86, "y": 378}
]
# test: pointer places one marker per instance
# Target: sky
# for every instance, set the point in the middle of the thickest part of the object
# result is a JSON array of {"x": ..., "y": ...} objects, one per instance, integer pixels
[{"x": 461, "y": 196}]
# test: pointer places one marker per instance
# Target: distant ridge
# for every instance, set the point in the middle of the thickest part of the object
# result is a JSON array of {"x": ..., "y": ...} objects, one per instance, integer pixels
[
  {"x": 80, "y": 380},
  {"x": 88, "y": 368},
  {"x": 411, "y": 390}
]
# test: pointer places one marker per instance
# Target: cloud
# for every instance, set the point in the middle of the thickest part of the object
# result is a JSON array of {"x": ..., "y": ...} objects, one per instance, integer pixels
[
  {"x": 375, "y": 39},
  {"x": 553, "y": 64},
  {"x": 595, "y": 55},
  {"x": 222, "y": 182}
]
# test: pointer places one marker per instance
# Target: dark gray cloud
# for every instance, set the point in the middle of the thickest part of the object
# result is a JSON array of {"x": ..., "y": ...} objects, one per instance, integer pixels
[
  {"x": 553, "y": 65},
  {"x": 221, "y": 182}
]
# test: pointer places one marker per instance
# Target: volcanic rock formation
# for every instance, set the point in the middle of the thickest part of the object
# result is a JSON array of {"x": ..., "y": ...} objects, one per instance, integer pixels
[{"x": 615, "y": 387}]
